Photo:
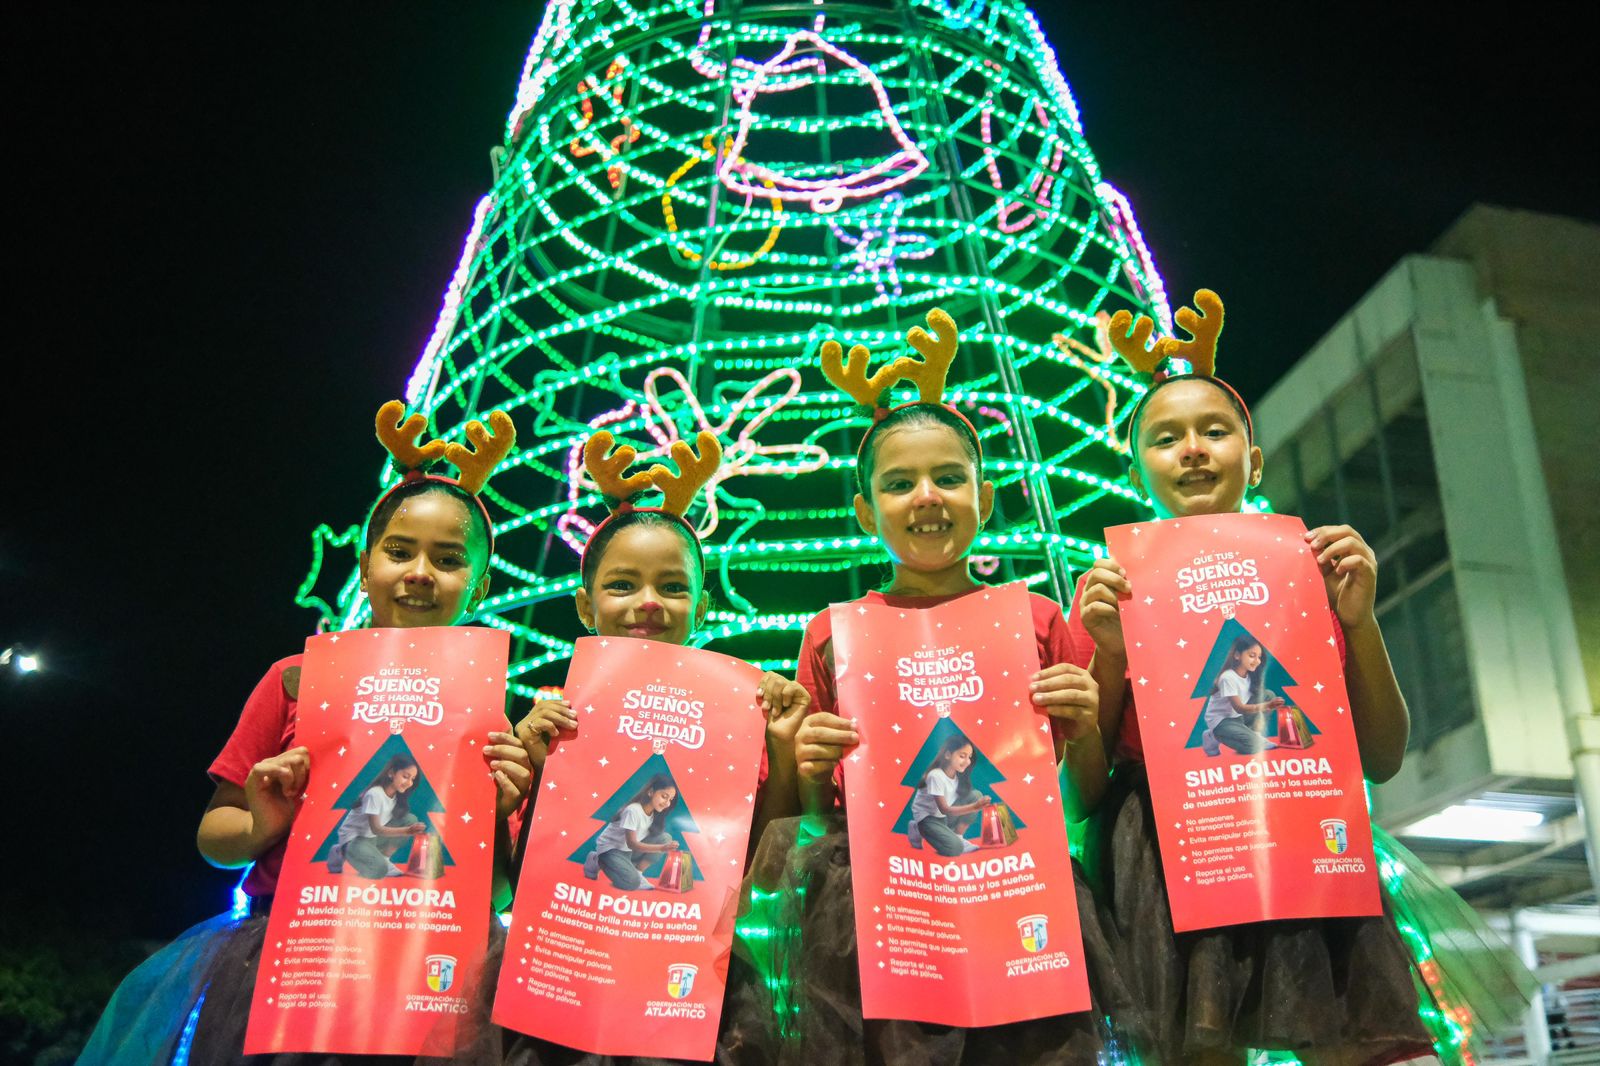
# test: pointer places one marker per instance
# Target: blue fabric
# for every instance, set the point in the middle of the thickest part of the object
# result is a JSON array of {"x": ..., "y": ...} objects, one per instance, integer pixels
[{"x": 147, "y": 1013}]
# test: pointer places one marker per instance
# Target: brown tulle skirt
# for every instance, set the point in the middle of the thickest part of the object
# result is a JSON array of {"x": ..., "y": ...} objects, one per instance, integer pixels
[
  {"x": 811, "y": 956},
  {"x": 1341, "y": 986}
]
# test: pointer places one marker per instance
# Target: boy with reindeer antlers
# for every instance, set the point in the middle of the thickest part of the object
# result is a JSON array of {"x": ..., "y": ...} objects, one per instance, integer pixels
[
  {"x": 922, "y": 493},
  {"x": 428, "y": 543}
]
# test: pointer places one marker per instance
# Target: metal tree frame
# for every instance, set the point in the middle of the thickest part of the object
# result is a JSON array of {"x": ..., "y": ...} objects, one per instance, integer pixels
[{"x": 692, "y": 195}]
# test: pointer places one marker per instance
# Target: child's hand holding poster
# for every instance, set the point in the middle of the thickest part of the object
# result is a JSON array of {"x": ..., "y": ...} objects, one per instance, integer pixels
[
  {"x": 624, "y": 913},
  {"x": 382, "y": 912},
  {"x": 965, "y": 907},
  {"x": 1235, "y": 671}
]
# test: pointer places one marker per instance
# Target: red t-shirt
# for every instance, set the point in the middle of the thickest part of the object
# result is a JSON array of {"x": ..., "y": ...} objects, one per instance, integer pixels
[
  {"x": 1130, "y": 746},
  {"x": 1050, "y": 631},
  {"x": 266, "y": 728}
]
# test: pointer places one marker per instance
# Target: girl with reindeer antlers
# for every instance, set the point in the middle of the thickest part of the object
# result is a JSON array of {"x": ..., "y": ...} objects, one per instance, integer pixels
[
  {"x": 922, "y": 493},
  {"x": 425, "y": 562},
  {"x": 643, "y": 575},
  {"x": 1333, "y": 990}
]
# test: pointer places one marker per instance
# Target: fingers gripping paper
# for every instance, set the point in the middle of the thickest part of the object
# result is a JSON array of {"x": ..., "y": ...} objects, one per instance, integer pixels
[
  {"x": 1254, "y": 772},
  {"x": 965, "y": 908}
]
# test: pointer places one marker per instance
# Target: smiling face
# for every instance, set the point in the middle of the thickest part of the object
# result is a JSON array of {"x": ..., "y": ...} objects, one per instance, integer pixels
[
  {"x": 960, "y": 759},
  {"x": 662, "y": 798},
  {"x": 421, "y": 570},
  {"x": 404, "y": 779},
  {"x": 1193, "y": 456},
  {"x": 927, "y": 503},
  {"x": 646, "y": 585},
  {"x": 1250, "y": 658}
]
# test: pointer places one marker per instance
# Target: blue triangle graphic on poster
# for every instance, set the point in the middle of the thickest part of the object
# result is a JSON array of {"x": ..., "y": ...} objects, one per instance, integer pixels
[
  {"x": 1275, "y": 677},
  {"x": 679, "y": 820},
  {"x": 985, "y": 774},
  {"x": 421, "y": 800}
]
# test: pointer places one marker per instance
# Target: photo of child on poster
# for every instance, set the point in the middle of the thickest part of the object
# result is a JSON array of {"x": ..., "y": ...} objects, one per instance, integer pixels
[
  {"x": 954, "y": 809},
  {"x": 391, "y": 820},
  {"x": 370, "y": 834},
  {"x": 1231, "y": 716},
  {"x": 635, "y": 837},
  {"x": 1243, "y": 714}
]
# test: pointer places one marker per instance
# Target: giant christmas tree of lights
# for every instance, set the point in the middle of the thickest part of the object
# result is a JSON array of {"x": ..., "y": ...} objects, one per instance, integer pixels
[{"x": 691, "y": 196}]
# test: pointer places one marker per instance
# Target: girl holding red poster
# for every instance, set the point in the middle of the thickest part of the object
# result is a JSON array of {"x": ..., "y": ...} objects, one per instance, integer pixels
[
  {"x": 1339, "y": 988},
  {"x": 922, "y": 492},
  {"x": 428, "y": 542},
  {"x": 642, "y": 577}
]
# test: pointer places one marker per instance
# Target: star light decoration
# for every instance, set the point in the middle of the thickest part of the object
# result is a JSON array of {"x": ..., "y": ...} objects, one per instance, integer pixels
[{"x": 689, "y": 198}]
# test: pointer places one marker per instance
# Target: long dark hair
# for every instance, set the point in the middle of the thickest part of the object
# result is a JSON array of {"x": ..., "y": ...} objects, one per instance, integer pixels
[
  {"x": 947, "y": 749},
  {"x": 1240, "y": 645},
  {"x": 658, "y": 819},
  {"x": 402, "y": 804}
]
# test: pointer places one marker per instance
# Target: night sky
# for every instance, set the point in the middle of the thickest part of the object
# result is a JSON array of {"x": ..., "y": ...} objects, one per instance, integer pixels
[{"x": 231, "y": 227}]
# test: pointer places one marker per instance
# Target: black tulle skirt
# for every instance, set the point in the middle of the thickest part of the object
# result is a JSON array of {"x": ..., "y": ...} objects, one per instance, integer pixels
[
  {"x": 813, "y": 984},
  {"x": 1334, "y": 985}
]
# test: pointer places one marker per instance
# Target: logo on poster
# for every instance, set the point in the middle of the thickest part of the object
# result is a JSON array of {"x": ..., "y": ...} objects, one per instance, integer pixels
[
  {"x": 662, "y": 714},
  {"x": 1220, "y": 581},
  {"x": 441, "y": 972},
  {"x": 1334, "y": 836},
  {"x": 939, "y": 678},
  {"x": 680, "y": 979},
  {"x": 1035, "y": 932},
  {"x": 397, "y": 701}
]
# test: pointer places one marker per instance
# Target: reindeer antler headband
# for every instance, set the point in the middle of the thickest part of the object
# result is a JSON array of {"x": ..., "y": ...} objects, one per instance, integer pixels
[
  {"x": 400, "y": 434},
  {"x": 607, "y": 467},
  {"x": 1199, "y": 351},
  {"x": 928, "y": 373}
]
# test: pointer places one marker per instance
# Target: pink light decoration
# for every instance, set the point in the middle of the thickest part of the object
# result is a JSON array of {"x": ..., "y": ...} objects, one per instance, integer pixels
[
  {"x": 422, "y": 377},
  {"x": 1038, "y": 186},
  {"x": 1122, "y": 221},
  {"x": 715, "y": 70},
  {"x": 881, "y": 245},
  {"x": 555, "y": 29},
  {"x": 738, "y": 456},
  {"x": 828, "y": 195}
]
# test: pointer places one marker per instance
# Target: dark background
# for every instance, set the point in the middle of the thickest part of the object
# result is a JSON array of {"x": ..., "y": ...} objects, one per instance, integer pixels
[{"x": 231, "y": 228}]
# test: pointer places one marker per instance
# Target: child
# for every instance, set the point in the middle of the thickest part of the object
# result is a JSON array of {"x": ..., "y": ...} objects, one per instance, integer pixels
[
  {"x": 643, "y": 575},
  {"x": 921, "y": 491},
  {"x": 1339, "y": 987},
  {"x": 947, "y": 790},
  {"x": 371, "y": 833},
  {"x": 425, "y": 563},
  {"x": 635, "y": 837},
  {"x": 1226, "y": 708}
]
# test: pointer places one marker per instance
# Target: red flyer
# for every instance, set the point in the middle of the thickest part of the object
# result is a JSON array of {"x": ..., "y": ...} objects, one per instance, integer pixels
[
  {"x": 381, "y": 918},
  {"x": 965, "y": 908},
  {"x": 1254, "y": 773},
  {"x": 623, "y": 921}
]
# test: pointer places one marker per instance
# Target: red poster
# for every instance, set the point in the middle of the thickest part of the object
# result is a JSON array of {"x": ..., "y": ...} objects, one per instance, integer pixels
[
  {"x": 375, "y": 939},
  {"x": 965, "y": 912},
  {"x": 623, "y": 921},
  {"x": 1261, "y": 814}
]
